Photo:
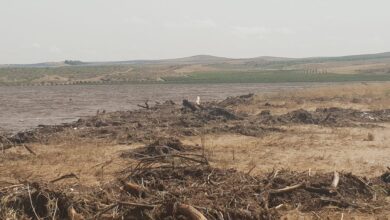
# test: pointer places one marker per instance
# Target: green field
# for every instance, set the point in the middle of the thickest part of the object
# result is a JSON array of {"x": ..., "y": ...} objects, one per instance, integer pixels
[
  {"x": 83, "y": 76},
  {"x": 203, "y": 69},
  {"x": 277, "y": 76}
]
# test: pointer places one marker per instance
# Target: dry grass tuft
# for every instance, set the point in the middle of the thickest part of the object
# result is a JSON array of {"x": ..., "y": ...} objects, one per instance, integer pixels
[
  {"x": 6, "y": 212},
  {"x": 370, "y": 137},
  {"x": 351, "y": 91}
]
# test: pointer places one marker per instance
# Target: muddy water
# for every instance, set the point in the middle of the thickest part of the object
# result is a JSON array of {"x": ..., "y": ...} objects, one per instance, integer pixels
[{"x": 27, "y": 107}]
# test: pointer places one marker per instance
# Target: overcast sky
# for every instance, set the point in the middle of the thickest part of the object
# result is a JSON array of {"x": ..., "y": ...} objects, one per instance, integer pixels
[{"x": 101, "y": 30}]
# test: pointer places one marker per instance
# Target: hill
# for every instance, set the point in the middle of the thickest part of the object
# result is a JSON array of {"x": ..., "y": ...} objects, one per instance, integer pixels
[{"x": 202, "y": 69}]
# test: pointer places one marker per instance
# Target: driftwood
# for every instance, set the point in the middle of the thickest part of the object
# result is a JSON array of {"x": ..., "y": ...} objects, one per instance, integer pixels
[
  {"x": 29, "y": 150},
  {"x": 73, "y": 215},
  {"x": 386, "y": 177},
  {"x": 286, "y": 189},
  {"x": 66, "y": 176},
  {"x": 247, "y": 96},
  {"x": 146, "y": 206},
  {"x": 336, "y": 179},
  {"x": 225, "y": 113},
  {"x": 60, "y": 204},
  {"x": 266, "y": 194},
  {"x": 134, "y": 189},
  {"x": 11, "y": 187},
  {"x": 197, "y": 100},
  {"x": 31, "y": 202},
  {"x": 339, "y": 203},
  {"x": 102, "y": 211},
  {"x": 3, "y": 141},
  {"x": 146, "y": 106},
  {"x": 327, "y": 117},
  {"x": 324, "y": 191},
  {"x": 190, "y": 212},
  {"x": 190, "y": 105},
  {"x": 189, "y": 157}
]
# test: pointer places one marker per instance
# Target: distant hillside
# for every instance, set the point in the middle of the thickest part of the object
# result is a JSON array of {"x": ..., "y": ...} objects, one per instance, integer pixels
[
  {"x": 207, "y": 59},
  {"x": 46, "y": 64},
  {"x": 202, "y": 59},
  {"x": 198, "y": 59},
  {"x": 201, "y": 68}
]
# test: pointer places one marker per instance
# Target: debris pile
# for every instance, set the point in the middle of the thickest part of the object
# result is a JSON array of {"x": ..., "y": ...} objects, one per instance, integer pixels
[
  {"x": 169, "y": 180},
  {"x": 357, "y": 115},
  {"x": 386, "y": 176},
  {"x": 161, "y": 147},
  {"x": 166, "y": 119},
  {"x": 338, "y": 117},
  {"x": 238, "y": 100},
  {"x": 156, "y": 188},
  {"x": 188, "y": 119},
  {"x": 208, "y": 112}
]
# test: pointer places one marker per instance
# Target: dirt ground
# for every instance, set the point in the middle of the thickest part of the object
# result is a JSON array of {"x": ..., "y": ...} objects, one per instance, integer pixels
[
  {"x": 261, "y": 137},
  {"x": 302, "y": 148}
]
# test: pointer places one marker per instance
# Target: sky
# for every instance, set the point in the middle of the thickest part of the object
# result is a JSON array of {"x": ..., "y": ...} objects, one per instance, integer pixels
[{"x": 111, "y": 30}]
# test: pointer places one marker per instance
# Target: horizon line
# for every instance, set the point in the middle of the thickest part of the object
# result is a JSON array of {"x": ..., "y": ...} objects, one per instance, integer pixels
[{"x": 191, "y": 56}]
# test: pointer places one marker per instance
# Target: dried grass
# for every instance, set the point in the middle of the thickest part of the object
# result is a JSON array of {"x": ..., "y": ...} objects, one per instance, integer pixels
[
  {"x": 349, "y": 91},
  {"x": 370, "y": 137}
]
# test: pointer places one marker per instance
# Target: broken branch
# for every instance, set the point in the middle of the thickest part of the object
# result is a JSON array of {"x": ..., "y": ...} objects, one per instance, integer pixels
[
  {"x": 146, "y": 106},
  {"x": 134, "y": 189},
  {"x": 29, "y": 150},
  {"x": 190, "y": 212},
  {"x": 336, "y": 179},
  {"x": 66, "y": 176},
  {"x": 286, "y": 189}
]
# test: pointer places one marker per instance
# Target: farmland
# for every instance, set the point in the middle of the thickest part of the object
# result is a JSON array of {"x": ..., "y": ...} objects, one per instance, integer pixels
[
  {"x": 202, "y": 69},
  {"x": 276, "y": 76}
]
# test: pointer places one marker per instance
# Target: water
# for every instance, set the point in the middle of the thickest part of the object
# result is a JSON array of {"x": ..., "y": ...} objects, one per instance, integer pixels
[{"x": 27, "y": 107}]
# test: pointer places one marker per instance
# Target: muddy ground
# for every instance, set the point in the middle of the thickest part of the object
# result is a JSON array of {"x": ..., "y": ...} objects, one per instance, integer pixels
[{"x": 313, "y": 155}]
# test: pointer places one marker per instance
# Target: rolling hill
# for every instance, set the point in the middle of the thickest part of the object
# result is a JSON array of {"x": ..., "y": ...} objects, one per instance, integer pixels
[{"x": 202, "y": 69}]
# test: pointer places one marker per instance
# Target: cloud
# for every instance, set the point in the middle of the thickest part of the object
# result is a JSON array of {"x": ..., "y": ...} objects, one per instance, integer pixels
[
  {"x": 260, "y": 32},
  {"x": 135, "y": 20},
  {"x": 206, "y": 23},
  {"x": 250, "y": 31},
  {"x": 284, "y": 30},
  {"x": 55, "y": 49},
  {"x": 191, "y": 23},
  {"x": 36, "y": 45}
]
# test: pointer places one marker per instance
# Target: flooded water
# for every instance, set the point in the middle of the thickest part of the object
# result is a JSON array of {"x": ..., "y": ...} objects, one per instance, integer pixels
[{"x": 27, "y": 107}]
